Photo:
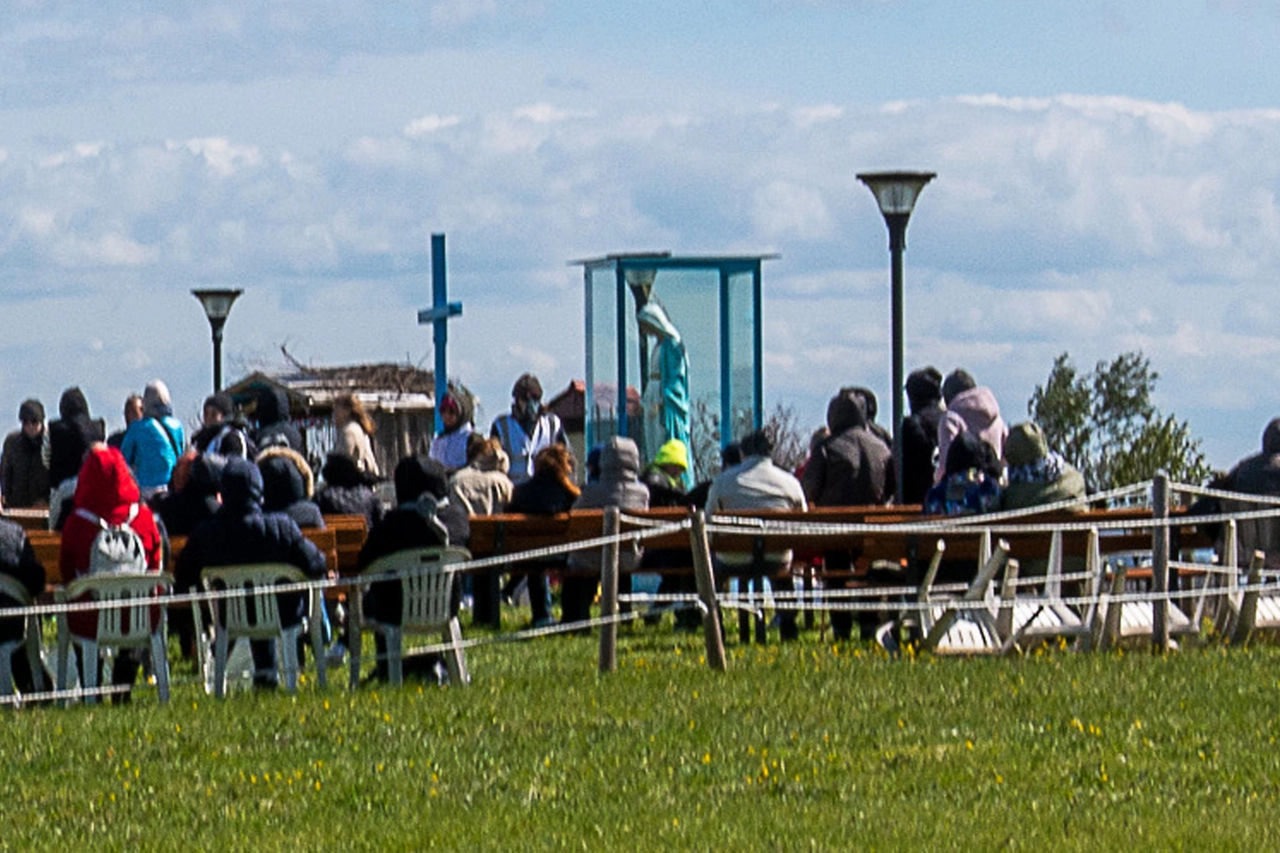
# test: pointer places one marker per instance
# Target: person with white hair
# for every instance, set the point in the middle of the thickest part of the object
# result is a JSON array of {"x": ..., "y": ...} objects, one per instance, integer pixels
[{"x": 153, "y": 443}]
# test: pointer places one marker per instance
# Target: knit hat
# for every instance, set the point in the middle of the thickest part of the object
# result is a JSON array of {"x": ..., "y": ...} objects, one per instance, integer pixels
[
  {"x": 674, "y": 452},
  {"x": 31, "y": 411}
]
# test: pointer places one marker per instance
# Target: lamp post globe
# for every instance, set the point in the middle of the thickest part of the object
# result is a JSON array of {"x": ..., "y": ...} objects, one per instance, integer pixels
[
  {"x": 896, "y": 194},
  {"x": 217, "y": 306}
]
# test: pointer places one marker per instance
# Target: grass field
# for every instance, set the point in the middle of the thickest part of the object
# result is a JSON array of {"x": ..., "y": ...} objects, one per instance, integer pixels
[{"x": 806, "y": 745}]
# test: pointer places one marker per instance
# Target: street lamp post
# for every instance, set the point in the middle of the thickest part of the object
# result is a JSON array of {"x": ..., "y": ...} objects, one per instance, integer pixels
[
  {"x": 896, "y": 193},
  {"x": 217, "y": 305}
]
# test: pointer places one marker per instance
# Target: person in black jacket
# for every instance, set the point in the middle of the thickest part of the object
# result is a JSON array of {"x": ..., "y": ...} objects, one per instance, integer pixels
[
  {"x": 423, "y": 518},
  {"x": 347, "y": 490},
  {"x": 19, "y": 562},
  {"x": 242, "y": 533},
  {"x": 920, "y": 433}
]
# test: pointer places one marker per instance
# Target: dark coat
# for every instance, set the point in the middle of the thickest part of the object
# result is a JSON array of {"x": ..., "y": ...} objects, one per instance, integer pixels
[
  {"x": 242, "y": 533},
  {"x": 852, "y": 466},
  {"x": 19, "y": 562}
]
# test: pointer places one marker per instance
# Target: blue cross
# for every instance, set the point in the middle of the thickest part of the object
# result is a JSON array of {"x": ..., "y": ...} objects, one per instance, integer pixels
[{"x": 439, "y": 315}]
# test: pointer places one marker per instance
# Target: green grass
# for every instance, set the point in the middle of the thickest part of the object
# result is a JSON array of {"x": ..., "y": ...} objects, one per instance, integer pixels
[{"x": 799, "y": 746}]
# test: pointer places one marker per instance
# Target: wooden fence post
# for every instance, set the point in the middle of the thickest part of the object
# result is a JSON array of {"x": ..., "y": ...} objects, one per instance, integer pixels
[
  {"x": 609, "y": 591},
  {"x": 1160, "y": 562},
  {"x": 711, "y": 632}
]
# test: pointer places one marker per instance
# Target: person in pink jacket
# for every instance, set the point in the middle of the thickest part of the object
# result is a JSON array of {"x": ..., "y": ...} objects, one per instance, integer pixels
[{"x": 970, "y": 408}]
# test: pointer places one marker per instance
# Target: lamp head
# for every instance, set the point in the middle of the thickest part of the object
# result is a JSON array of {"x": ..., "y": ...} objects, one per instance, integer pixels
[
  {"x": 216, "y": 303},
  {"x": 896, "y": 192}
]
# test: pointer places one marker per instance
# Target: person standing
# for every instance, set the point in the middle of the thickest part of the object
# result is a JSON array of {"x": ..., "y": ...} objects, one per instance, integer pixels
[
  {"x": 70, "y": 438},
  {"x": 920, "y": 433},
  {"x": 449, "y": 448},
  {"x": 153, "y": 444},
  {"x": 355, "y": 431},
  {"x": 24, "y": 475},
  {"x": 527, "y": 429}
]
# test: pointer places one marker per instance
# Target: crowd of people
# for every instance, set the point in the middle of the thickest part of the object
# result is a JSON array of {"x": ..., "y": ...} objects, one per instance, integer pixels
[{"x": 241, "y": 488}]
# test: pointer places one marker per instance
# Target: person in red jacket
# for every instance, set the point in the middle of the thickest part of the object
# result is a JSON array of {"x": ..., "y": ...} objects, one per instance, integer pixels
[{"x": 106, "y": 489}]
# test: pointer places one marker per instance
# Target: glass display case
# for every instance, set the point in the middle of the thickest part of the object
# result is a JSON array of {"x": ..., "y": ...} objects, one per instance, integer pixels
[{"x": 683, "y": 336}]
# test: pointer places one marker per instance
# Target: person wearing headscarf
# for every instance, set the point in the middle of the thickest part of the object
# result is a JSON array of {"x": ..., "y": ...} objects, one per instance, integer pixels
[
  {"x": 346, "y": 489},
  {"x": 242, "y": 533},
  {"x": 69, "y": 440},
  {"x": 1035, "y": 474},
  {"x": 920, "y": 433},
  {"x": 106, "y": 490},
  {"x": 664, "y": 477},
  {"x": 153, "y": 444},
  {"x": 449, "y": 447},
  {"x": 24, "y": 474},
  {"x": 288, "y": 486},
  {"x": 619, "y": 485},
  {"x": 526, "y": 430},
  {"x": 970, "y": 408}
]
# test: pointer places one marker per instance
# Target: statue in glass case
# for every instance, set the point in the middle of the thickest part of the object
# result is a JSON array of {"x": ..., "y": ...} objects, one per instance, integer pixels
[{"x": 666, "y": 390}]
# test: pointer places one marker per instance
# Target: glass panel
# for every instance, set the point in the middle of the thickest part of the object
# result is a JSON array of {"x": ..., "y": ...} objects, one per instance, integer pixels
[
  {"x": 680, "y": 363},
  {"x": 742, "y": 359},
  {"x": 602, "y": 355}
]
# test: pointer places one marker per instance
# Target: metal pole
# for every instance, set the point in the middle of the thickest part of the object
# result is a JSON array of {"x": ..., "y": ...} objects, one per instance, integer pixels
[
  {"x": 440, "y": 328},
  {"x": 216, "y": 327},
  {"x": 897, "y": 223}
]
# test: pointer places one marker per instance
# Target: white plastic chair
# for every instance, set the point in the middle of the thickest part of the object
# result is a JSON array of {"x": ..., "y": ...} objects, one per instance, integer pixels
[
  {"x": 255, "y": 615},
  {"x": 10, "y": 588},
  {"x": 426, "y": 585},
  {"x": 125, "y": 624}
]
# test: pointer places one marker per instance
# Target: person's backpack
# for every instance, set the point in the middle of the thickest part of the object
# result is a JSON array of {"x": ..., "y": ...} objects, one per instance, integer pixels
[{"x": 117, "y": 549}]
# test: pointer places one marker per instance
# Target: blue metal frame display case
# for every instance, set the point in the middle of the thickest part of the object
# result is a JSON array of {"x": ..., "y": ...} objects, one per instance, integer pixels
[{"x": 715, "y": 304}]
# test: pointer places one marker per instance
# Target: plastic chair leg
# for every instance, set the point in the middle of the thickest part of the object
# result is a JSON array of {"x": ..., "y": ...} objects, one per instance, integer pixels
[
  {"x": 395, "y": 655},
  {"x": 316, "y": 623},
  {"x": 6, "y": 669},
  {"x": 287, "y": 646},
  {"x": 354, "y": 652},
  {"x": 220, "y": 644},
  {"x": 455, "y": 657},
  {"x": 33, "y": 654},
  {"x": 89, "y": 670},
  {"x": 160, "y": 663}
]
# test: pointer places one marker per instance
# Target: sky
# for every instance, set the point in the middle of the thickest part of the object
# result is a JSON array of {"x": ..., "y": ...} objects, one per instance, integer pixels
[{"x": 1107, "y": 182}]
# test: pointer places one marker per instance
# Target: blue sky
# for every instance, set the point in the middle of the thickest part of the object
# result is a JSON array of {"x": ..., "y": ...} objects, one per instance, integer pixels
[{"x": 1108, "y": 176}]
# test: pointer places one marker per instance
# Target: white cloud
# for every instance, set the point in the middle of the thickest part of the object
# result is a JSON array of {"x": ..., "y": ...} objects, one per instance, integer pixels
[{"x": 429, "y": 124}]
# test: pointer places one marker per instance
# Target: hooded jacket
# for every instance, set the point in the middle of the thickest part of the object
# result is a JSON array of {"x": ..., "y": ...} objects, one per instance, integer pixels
[
  {"x": 346, "y": 489},
  {"x": 1036, "y": 475},
  {"x": 18, "y": 561},
  {"x": 852, "y": 466},
  {"x": 24, "y": 477},
  {"x": 71, "y": 435},
  {"x": 106, "y": 488},
  {"x": 975, "y": 411},
  {"x": 242, "y": 533},
  {"x": 449, "y": 447},
  {"x": 619, "y": 485},
  {"x": 274, "y": 428},
  {"x": 288, "y": 485}
]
